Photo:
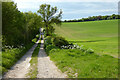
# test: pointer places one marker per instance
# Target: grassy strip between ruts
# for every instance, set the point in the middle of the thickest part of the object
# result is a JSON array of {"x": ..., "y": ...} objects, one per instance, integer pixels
[
  {"x": 34, "y": 62},
  {"x": 11, "y": 56}
]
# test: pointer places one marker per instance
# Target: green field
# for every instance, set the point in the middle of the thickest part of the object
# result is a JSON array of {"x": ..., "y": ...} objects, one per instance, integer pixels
[
  {"x": 101, "y": 36},
  {"x": 77, "y": 64}
]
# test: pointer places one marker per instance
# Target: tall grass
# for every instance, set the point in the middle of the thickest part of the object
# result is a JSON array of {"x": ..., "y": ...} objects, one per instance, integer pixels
[
  {"x": 79, "y": 65},
  {"x": 11, "y": 56}
]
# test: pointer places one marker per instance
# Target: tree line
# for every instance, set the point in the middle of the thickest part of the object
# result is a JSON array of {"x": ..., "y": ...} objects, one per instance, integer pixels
[
  {"x": 18, "y": 28},
  {"x": 95, "y": 18}
]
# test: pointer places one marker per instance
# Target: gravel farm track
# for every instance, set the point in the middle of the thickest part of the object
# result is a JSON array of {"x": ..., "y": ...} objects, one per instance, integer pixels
[{"x": 46, "y": 68}]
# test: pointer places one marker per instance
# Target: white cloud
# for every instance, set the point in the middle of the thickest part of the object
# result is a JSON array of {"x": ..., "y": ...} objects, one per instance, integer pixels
[
  {"x": 90, "y": 11},
  {"x": 66, "y": 1},
  {"x": 34, "y": 4},
  {"x": 72, "y": 12},
  {"x": 23, "y": 4}
]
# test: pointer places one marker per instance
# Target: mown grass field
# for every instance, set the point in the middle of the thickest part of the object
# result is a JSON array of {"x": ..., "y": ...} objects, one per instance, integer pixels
[{"x": 101, "y": 36}]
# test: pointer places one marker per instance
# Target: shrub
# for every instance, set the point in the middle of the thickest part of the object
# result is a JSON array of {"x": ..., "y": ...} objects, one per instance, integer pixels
[
  {"x": 54, "y": 35},
  {"x": 8, "y": 56},
  {"x": 48, "y": 40},
  {"x": 3, "y": 69},
  {"x": 7, "y": 63},
  {"x": 50, "y": 47},
  {"x": 60, "y": 41}
]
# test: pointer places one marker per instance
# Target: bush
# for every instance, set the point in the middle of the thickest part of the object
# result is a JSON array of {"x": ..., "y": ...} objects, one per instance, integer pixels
[
  {"x": 48, "y": 40},
  {"x": 2, "y": 69},
  {"x": 7, "y": 63},
  {"x": 54, "y": 35},
  {"x": 50, "y": 47},
  {"x": 60, "y": 41}
]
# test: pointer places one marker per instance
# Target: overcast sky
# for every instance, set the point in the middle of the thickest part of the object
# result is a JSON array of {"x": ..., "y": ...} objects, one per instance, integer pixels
[{"x": 73, "y": 9}]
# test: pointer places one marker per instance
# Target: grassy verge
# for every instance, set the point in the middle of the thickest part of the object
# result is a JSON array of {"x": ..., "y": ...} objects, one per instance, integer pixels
[
  {"x": 11, "y": 56},
  {"x": 78, "y": 64},
  {"x": 33, "y": 63}
]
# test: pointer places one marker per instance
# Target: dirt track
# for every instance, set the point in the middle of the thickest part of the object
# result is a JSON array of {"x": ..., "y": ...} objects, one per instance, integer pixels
[
  {"x": 46, "y": 68},
  {"x": 20, "y": 69}
]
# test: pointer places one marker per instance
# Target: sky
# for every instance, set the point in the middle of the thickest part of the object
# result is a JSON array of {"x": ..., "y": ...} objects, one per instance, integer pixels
[{"x": 73, "y": 9}]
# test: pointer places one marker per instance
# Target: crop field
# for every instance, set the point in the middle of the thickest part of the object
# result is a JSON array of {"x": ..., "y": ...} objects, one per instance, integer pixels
[{"x": 101, "y": 36}]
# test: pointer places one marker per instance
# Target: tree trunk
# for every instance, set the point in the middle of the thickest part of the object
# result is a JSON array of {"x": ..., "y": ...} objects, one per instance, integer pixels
[{"x": 47, "y": 30}]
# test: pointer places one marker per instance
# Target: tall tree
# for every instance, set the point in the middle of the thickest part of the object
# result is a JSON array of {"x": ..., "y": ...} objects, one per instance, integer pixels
[
  {"x": 49, "y": 17},
  {"x": 18, "y": 28}
]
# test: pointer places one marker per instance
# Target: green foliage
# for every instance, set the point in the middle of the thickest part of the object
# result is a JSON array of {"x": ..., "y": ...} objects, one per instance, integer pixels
[
  {"x": 11, "y": 56},
  {"x": 33, "y": 21},
  {"x": 48, "y": 15},
  {"x": 12, "y": 17},
  {"x": 50, "y": 47},
  {"x": 60, "y": 41},
  {"x": 18, "y": 28},
  {"x": 48, "y": 39}
]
